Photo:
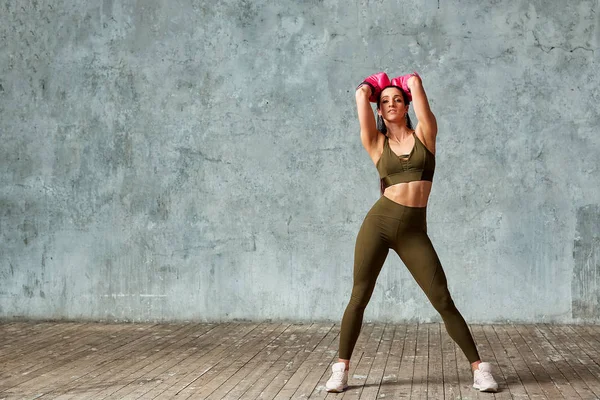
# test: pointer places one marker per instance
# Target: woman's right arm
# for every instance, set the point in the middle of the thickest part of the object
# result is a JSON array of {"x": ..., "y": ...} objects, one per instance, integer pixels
[{"x": 368, "y": 129}]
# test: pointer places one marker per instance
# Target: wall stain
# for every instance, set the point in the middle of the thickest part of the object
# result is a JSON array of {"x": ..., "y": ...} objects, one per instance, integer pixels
[
  {"x": 585, "y": 286},
  {"x": 28, "y": 291}
]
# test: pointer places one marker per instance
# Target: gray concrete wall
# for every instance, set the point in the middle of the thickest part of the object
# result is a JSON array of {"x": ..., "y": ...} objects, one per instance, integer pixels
[{"x": 195, "y": 160}]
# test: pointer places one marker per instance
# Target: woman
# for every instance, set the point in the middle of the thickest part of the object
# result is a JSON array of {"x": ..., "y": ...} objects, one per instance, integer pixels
[{"x": 405, "y": 159}]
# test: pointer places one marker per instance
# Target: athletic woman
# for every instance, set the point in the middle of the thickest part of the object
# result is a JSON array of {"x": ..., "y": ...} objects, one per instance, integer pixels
[{"x": 405, "y": 159}]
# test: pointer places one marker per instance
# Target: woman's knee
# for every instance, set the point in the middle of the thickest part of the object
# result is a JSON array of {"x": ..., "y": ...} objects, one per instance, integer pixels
[
  {"x": 442, "y": 302},
  {"x": 360, "y": 298}
]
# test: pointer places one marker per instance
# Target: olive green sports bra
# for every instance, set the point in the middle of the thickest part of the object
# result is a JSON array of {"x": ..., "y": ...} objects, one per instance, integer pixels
[{"x": 419, "y": 165}]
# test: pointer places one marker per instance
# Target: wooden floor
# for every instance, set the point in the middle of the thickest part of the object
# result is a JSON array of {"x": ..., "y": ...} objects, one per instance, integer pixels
[{"x": 290, "y": 361}]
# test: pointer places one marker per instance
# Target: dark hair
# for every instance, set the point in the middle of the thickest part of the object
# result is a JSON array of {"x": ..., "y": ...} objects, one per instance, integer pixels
[{"x": 381, "y": 124}]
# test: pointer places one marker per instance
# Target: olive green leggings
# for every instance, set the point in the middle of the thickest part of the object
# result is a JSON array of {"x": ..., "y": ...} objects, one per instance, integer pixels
[{"x": 389, "y": 225}]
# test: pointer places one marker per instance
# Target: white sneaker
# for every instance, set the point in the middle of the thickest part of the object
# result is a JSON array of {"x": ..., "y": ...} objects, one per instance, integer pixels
[
  {"x": 483, "y": 379},
  {"x": 339, "y": 380}
]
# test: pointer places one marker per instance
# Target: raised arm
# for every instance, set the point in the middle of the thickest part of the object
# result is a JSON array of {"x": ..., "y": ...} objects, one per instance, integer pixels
[
  {"x": 427, "y": 122},
  {"x": 368, "y": 91},
  {"x": 368, "y": 128}
]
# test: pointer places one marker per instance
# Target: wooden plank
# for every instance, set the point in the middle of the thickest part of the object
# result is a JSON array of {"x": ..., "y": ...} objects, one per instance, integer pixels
[
  {"x": 319, "y": 391},
  {"x": 324, "y": 357},
  {"x": 211, "y": 365},
  {"x": 592, "y": 342},
  {"x": 101, "y": 370},
  {"x": 128, "y": 376},
  {"x": 375, "y": 375},
  {"x": 22, "y": 333},
  {"x": 561, "y": 363},
  {"x": 54, "y": 377},
  {"x": 390, "y": 380},
  {"x": 7, "y": 325},
  {"x": 486, "y": 353},
  {"x": 199, "y": 343},
  {"x": 305, "y": 364},
  {"x": 269, "y": 369},
  {"x": 526, "y": 377},
  {"x": 578, "y": 360},
  {"x": 510, "y": 377},
  {"x": 363, "y": 367},
  {"x": 29, "y": 364},
  {"x": 299, "y": 336},
  {"x": 419, "y": 385},
  {"x": 283, "y": 337},
  {"x": 52, "y": 346},
  {"x": 253, "y": 372},
  {"x": 38, "y": 343},
  {"x": 287, "y": 365},
  {"x": 33, "y": 340},
  {"x": 360, "y": 349},
  {"x": 528, "y": 334},
  {"x": 27, "y": 332},
  {"x": 592, "y": 352},
  {"x": 208, "y": 334},
  {"x": 540, "y": 374},
  {"x": 255, "y": 369},
  {"x": 562, "y": 360},
  {"x": 449, "y": 366},
  {"x": 403, "y": 389},
  {"x": 33, "y": 370},
  {"x": 203, "y": 385},
  {"x": 357, "y": 354},
  {"x": 593, "y": 327},
  {"x": 435, "y": 372},
  {"x": 465, "y": 374},
  {"x": 205, "y": 357},
  {"x": 593, "y": 332}
]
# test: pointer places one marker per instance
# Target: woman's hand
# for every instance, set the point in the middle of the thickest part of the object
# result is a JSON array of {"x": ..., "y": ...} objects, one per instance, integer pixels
[
  {"x": 406, "y": 82},
  {"x": 376, "y": 83},
  {"x": 363, "y": 90},
  {"x": 414, "y": 79}
]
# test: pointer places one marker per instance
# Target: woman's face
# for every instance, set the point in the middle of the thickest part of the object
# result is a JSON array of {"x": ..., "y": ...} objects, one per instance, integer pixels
[{"x": 391, "y": 104}]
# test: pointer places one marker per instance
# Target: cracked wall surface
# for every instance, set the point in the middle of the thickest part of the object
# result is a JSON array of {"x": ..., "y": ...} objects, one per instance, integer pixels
[{"x": 187, "y": 160}]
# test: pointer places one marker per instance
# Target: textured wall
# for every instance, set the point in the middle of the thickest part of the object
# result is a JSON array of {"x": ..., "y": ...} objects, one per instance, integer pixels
[{"x": 177, "y": 160}]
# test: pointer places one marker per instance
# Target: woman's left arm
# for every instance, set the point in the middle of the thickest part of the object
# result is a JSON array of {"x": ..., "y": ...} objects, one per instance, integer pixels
[{"x": 426, "y": 120}]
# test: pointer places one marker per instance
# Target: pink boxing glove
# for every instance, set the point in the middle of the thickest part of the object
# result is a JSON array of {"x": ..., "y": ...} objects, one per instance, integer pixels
[
  {"x": 377, "y": 83},
  {"x": 402, "y": 81}
]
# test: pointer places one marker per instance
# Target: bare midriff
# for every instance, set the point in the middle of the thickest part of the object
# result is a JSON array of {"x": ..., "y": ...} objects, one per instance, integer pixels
[{"x": 411, "y": 194}]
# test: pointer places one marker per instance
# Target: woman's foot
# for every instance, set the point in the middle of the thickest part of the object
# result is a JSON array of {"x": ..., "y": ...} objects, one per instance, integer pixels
[
  {"x": 339, "y": 378},
  {"x": 483, "y": 379}
]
